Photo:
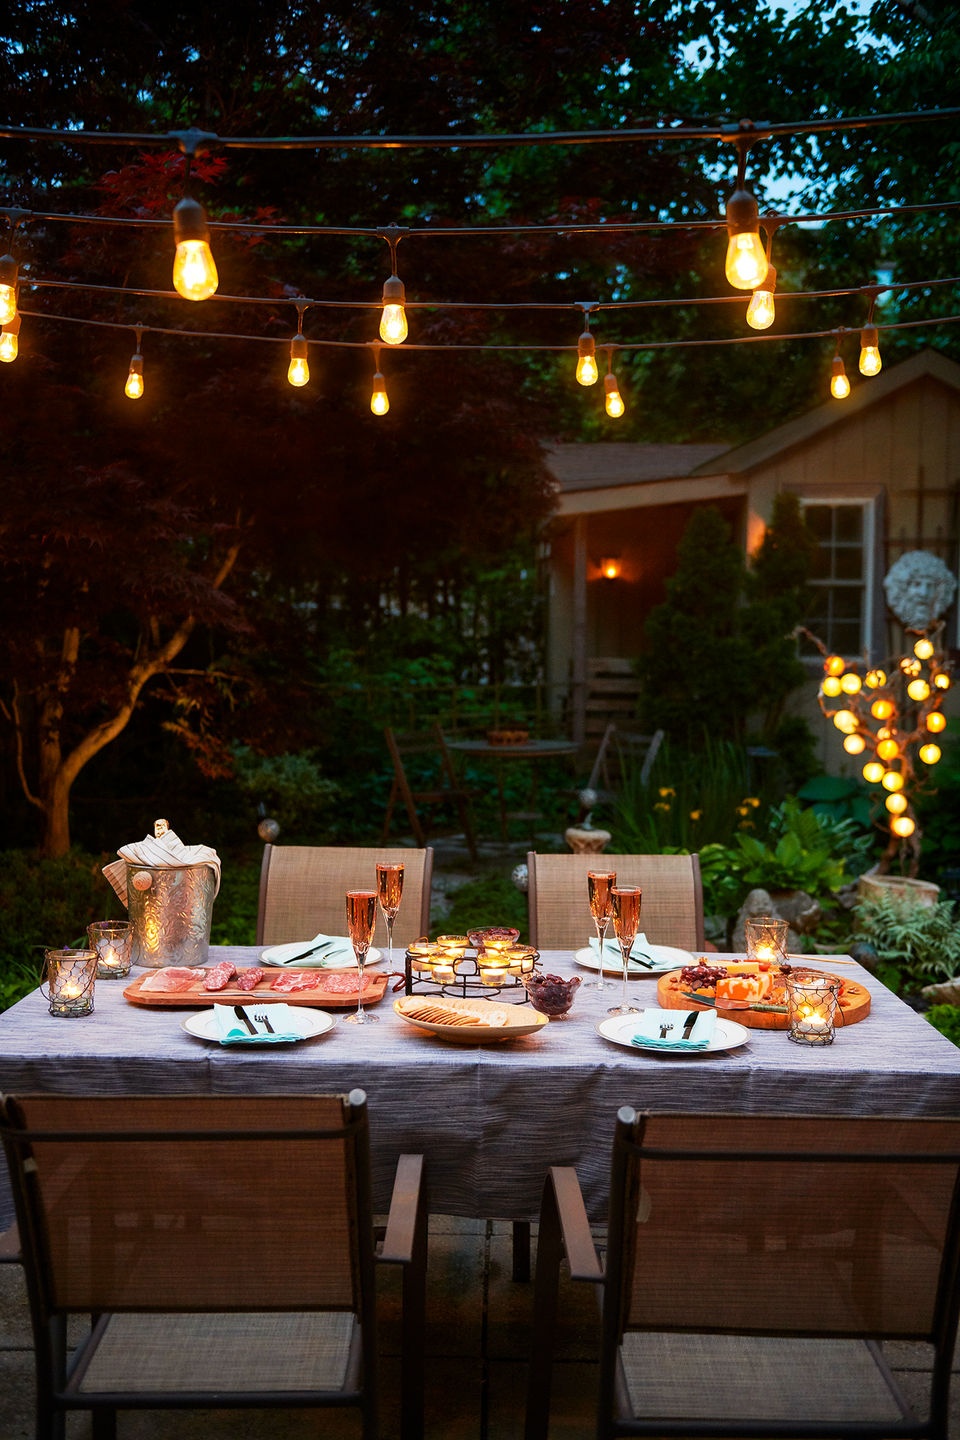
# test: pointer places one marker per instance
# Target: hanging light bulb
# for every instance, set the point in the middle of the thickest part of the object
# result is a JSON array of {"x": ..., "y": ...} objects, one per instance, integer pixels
[
  {"x": 393, "y": 321},
  {"x": 846, "y": 721},
  {"x": 870, "y": 361},
  {"x": 839, "y": 384},
  {"x": 942, "y": 680},
  {"x": 936, "y": 722},
  {"x": 746, "y": 263},
  {"x": 918, "y": 690},
  {"x": 613, "y": 400},
  {"x": 298, "y": 371},
  {"x": 760, "y": 312},
  {"x": 379, "y": 402},
  {"x": 892, "y": 780},
  {"x": 888, "y": 750},
  {"x": 194, "y": 272},
  {"x": 831, "y": 686},
  {"x": 923, "y": 649},
  {"x": 881, "y": 709},
  {"x": 9, "y": 344},
  {"x": 875, "y": 678},
  {"x": 896, "y": 804},
  {"x": 834, "y": 665},
  {"x": 929, "y": 754},
  {"x": 8, "y": 289},
  {"x": 587, "y": 372},
  {"x": 850, "y": 683},
  {"x": 873, "y": 773},
  {"x": 854, "y": 744},
  {"x": 134, "y": 386},
  {"x": 902, "y": 826}
]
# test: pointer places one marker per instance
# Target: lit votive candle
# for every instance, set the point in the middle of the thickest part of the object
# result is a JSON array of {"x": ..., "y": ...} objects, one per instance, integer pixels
[
  {"x": 112, "y": 940},
  {"x": 444, "y": 970},
  {"x": 494, "y": 973}
]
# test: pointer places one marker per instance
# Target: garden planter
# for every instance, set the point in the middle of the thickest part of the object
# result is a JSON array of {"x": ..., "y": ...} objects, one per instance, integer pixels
[{"x": 871, "y": 886}]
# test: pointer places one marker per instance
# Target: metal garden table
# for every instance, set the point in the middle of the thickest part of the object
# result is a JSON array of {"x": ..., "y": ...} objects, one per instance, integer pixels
[{"x": 532, "y": 750}]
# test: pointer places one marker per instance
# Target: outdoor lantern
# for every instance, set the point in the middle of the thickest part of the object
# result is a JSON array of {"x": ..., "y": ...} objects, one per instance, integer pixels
[
  {"x": 881, "y": 709},
  {"x": 923, "y": 649},
  {"x": 811, "y": 1006},
  {"x": 831, "y": 686},
  {"x": 942, "y": 680},
  {"x": 888, "y": 750},
  {"x": 929, "y": 754},
  {"x": 194, "y": 271},
  {"x": 8, "y": 289},
  {"x": 9, "y": 342},
  {"x": 892, "y": 780},
  {"x": 70, "y": 980},
  {"x": 834, "y": 665},
  {"x": 850, "y": 683},
  {"x": 875, "y": 678},
  {"x": 902, "y": 826},
  {"x": 910, "y": 667},
  {"x": 918, "y": 690},
  {"x": 761, "y": 312},
  {"x": 896, "y": 803},
  {"x": 846, "y": 721},
  {"x": 936, "y": 722},
  {"x": 870, "y": 362},
  {"x": 746, "y": 263},
  {"x": 854, "y": 744},
  {"x": 873, "y": 773},
  {"x": 611, "y": 567},
  {"x": 113, "y": 941}
]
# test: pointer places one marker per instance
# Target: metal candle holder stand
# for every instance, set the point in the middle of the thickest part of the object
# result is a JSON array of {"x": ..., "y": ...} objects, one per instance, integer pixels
[{"x": 466, "y": 983}]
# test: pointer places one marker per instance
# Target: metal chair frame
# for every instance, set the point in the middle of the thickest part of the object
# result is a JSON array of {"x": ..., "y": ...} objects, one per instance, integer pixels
[{"x": 417, "y": 742}]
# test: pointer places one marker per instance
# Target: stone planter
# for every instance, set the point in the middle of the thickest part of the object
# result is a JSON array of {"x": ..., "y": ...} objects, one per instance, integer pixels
[
  {"x": 871, "y": 886},
  {"x": 586, "y": 842}
]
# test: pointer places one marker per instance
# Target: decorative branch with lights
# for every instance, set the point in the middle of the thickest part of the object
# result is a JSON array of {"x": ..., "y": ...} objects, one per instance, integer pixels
[{"x": 905, "y": 703}]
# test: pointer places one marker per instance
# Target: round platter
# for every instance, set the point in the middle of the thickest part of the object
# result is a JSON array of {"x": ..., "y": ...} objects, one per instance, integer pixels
[
  {"x": 664, "y": 957},
  {"x": 727, "y": 1036},
  {"x": 518, "y": 1019},
  {"x": 854, "y": 999},
  {"x": 311, "y": 1022},
  {"x": 283, "y": 955}
]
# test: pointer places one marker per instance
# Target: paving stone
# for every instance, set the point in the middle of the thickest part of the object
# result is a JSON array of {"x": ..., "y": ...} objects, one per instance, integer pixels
[
  {"x": 510, "y": 1311},
  {"x": 573, "y": 1401}
]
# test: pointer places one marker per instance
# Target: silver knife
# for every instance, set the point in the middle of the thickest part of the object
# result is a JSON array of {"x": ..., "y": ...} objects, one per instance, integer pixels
[
  {"x": 241, "y": 1014},
  {"x": 689, "y": 1023},
  {"x": 304, "y": 953}
]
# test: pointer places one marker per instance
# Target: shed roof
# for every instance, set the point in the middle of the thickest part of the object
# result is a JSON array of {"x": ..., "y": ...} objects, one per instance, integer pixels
[{"x": 592, "y": 466}]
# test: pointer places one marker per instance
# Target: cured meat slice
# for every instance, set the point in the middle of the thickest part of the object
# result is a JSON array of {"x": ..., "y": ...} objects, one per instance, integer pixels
[
  {"x": 220, "y": 975},
  {"x": 344, "y": 984},
  {"x": 171, "y": 980},
  {"x": 288, "y": 983},
  {"x": 247, "y": 979}
]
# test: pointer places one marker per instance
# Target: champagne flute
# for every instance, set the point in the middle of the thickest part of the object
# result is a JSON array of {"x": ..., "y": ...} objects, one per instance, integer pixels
[
  {"x": 626, "y": 923},
  {"x": 361, "y": 918},
  {"x": 599, "y": 885},
  {"x": 390, "y": 888}
]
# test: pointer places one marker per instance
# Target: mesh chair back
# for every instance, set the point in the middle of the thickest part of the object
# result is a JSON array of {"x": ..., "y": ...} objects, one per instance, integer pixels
[
  {"x": 671, "y": 912},
  {"x": 201, "y": 1224},
  {"x": 302, "y": 891},
  {"x": 819, "y": 1247}
]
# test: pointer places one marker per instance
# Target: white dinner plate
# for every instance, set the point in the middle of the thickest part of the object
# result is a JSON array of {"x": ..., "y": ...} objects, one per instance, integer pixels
[
  {"x": 664, "y": 958},
  {"x": 283, "y": 955},
  {"x": 308, "y": 1021},
  {"x": 727, "y": 1036}
]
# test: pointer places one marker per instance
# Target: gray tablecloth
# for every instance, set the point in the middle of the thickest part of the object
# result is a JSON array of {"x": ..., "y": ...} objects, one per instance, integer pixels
[{"x": 490, "y": 1119}]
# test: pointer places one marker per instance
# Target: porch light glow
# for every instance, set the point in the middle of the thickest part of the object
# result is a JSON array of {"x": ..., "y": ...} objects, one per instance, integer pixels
[{"x": 611, "y": 568}]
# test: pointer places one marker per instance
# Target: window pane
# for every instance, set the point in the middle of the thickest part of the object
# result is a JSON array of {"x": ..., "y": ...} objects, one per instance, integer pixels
[
  {"x": 821, "y": 567},
  {"x": 845, "y": 637},
  {"x": 848, "y": 562},
  {"x": 849, "y": 522},
  {"x": 820, "y": 520},
  {"x": 819, "y": 606},
  {"x": 847, "y": 602}
]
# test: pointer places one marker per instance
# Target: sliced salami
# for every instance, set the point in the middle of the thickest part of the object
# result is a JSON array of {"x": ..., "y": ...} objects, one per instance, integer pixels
[
  {"x": 247, "y": 979},
  {"x": 171, "y": 980},
  {"x": 220, "y": 975},
  {"x": 344, "y": 984},
  {"x": 288, "y": 983}
]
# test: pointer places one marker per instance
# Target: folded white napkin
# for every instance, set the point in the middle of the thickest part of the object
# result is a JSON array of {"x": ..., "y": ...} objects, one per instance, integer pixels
[
  {"x": 160, "y": 852},
  {"x": 328, "y": 950},
  {"x": 663, "y": 1029},
  {"x": 232, "y": 1031},
  {"x": 639, "y": 954}
]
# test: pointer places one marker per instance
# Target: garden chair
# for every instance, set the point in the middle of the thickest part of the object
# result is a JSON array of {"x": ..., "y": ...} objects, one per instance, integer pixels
[
  {"x": 448, "y": 792},
  {"x": 302, "y": 889},
  {"x": 672, "y": 910},
  {"x": 753, "y": 1263},
  {"x": 617, "y": 743},
  {"x": 223, "y": 1247}
]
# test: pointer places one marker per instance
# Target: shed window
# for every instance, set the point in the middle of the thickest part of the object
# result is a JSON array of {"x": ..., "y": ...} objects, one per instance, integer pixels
[{"x": 838, "y": 579}]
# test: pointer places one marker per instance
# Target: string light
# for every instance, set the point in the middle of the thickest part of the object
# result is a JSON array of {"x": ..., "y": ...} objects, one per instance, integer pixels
[
  {"x": 936, "y": 722},
  {"x": 9, "y": 343},
  {"x": 834, "y": 665},
  {"x": 134, "y": 386},
  {"x": 393, "y": 321},
  {"x": 839, "y": 384},
  {"x": 612, "y": 400},
  {"x": 846, "y": 721},
  {"x": 888, "y": 750},
  {"x": 850, "y": 683},
  {"x": 194, "y": 271},
  {"x": 379, "y": 400},
  {"x": 761, "y": 312},
  {"x": 910, "y": 667},
  {"x": 870, "y": 362},
  {"x": 854, "y": 744},
  {"x": 902, "y": 826},
  {"x": 881, "y": 709},
  {"x": 942, "y": 680},
  {"x": 298, "y": 371},
  {"x": 918, "y": 690},
  {"x": 8, "y": 289},
  {"x": 896, "y": 803},
  {"x": 892, "y": 780},
  {"x": 831, "y": 686},
  {"x": 923, "y": 649},
  {"x": 875, "y": 678},
  {"x": 873, "y": 773},
  {"x": 746, "y": 262},
  {"x": 929, "y": 754},
  {"x": 587, "y": 372}
]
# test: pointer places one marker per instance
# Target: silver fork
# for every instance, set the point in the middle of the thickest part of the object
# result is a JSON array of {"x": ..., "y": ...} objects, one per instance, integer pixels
[{"x": 262, "y": 1020}]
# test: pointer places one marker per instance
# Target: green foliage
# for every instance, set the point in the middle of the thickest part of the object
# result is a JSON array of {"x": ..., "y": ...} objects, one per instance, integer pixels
[
  {"x": 917, "y": 944},
  {"x": 838, "y": 797},
  {"x": 946, "y": 1019},
  {"x": 235, "y": 908},
  {"x": 775, "y": 588},
  {"x": 939, "y": 809},
  {"x": 491, "y": 900},
  {"x": 692, "y": 798},
  {"x": 291, "y": 787}
]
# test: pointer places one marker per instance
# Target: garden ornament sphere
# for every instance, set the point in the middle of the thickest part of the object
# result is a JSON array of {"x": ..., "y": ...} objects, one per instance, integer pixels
[
  {"x": 268, "y": 830},
  {"x": 142, "y": 880}
]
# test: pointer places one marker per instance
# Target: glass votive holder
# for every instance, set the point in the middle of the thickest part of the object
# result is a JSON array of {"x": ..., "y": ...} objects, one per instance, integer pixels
[
  {"x": 70, "y": 980},
  {"x": 457, "y": 943},
  {"x": 811, "y": 1007},
  {"x": 493, "y": 973},
  {"x": 112, "y": 940},
  {"x": 493, "y": 938},
  {"x": 766, "y": 939},
  {"x": 444, "y": 969}
]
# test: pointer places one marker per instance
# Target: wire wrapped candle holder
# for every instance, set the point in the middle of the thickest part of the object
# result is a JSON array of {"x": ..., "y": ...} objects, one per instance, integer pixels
[
  {"x": 70, "y": 980},
  {"x": 811, "y": 1007},
  {"x": 433, "y": 969},
  {"x": 766, "y": 938},
  {"x": 113, "y": 941}
]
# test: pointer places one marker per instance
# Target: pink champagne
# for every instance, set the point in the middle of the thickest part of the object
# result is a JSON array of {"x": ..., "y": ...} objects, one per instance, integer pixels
[
  {"x": 599, "y": 885},
  {"x": 390, "y": 885},
  {"x": 361, "y": 917},
  {"x": 626, "y": 914}
]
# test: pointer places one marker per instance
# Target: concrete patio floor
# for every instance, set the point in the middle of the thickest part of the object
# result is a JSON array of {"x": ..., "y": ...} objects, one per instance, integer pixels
[{"x": 478, "y": 1324}]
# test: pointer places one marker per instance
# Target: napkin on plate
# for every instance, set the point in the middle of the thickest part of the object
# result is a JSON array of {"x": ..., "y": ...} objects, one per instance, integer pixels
[
  {"x": 640, "y": 954},
  {"x": 231, "y": 1030},
  {"x": 663, "y": 1029},
  {"x": 328, "y": 949}
]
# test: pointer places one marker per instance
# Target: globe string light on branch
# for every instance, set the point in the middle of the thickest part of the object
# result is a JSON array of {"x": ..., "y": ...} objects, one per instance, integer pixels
[{"x": 194, "y": 271}]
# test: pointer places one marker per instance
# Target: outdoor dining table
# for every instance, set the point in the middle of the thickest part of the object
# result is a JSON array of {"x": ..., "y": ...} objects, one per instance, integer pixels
[{"x": 490, "y": 1118}]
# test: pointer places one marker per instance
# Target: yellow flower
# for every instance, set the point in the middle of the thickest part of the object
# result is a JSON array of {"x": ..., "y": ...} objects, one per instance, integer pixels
[
  {"x": 661, "y": 806},
  {"x": 745, "y": 825},
  {"x": 743, "y": 810},
  {"x": 695, "y": 814},
  {"x": 751, "y": 801},
  {"x": 667, "y": 791}
]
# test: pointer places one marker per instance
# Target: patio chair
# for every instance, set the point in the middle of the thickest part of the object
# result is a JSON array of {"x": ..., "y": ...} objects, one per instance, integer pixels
[
  {"x": 672, "y": 910},
  {"x": 448, "y": 792},
  {"x": 223, "y": 1247},
  {"x": 753, "y": 1264},
  {"x": 302, "y": 889}
]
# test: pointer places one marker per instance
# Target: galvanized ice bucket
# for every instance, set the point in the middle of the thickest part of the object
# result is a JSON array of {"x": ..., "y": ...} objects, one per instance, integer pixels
[{"x": 171, "y": 910}]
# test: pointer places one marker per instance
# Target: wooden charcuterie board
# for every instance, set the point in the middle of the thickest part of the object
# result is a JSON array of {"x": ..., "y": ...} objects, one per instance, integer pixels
[
  {"x": 854, "y": 1001},
  {"x": 196, "y": 998}
]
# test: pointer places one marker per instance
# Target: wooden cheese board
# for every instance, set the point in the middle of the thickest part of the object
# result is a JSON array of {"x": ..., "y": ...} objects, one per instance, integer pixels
[
  {"x": 853, "y": 1005},
  {"x": 195, "y": 997}
]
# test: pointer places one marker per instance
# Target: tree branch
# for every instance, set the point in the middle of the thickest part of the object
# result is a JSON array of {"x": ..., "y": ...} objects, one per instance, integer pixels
[{"x": 13, "y": 715}]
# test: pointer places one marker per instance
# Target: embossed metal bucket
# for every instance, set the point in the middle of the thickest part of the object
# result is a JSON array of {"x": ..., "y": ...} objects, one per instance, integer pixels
[{"x": 171, "y": 914}]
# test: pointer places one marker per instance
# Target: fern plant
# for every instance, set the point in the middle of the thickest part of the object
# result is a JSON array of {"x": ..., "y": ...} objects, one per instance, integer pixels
[{"x": 917, "y": 944}]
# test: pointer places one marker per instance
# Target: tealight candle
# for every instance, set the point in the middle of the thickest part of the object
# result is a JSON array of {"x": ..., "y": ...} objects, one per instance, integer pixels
[
  {"x": 112, "y": 940},
  {"x": 493, "y": 974},
  {"x": 70, "y": 977},
  {"x": 444, "y": 972},
  {"x": 811, "y": 1006}
]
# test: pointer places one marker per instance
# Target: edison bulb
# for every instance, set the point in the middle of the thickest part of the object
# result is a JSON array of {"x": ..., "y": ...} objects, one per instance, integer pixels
[
  {"x": 881, "y": 709},
  {"x": 929, "y": 754},
  {"x": 923, "y": 649},
  {"x": 910, "y": 667},
  {"x": 9, "y": 346},
  {"x": 875, "y": 678},
  {"x": 918, "y": 690},
  {"x": 379, "y": 402},
  {"x": 8, "y": 303},
  {"x": 393, "y": 325},
  {"x": 613, "y": 400},
  {"x": 888, "y": 750},
  {"x": 846, "y": 721},
  {"x": 134, "y": 386},
  {"x": 892, "y": 780},
  {"x": 194, "y": 271},
  {"x": 850, "y": 683},
  {"x": 936, "y": 722},
  {"x": 839, "y": 384},
  {"x": 902, "y": 826},
  {"x": 587, "y": 372},
  {"x": 854, "y": 744},
  {"x": 831, "y": 686},
  {"x": 942, "y": 680},
  {"x": 896, "y": 804},
  {"x": 760, "y": 312},
  {"x": 870, "y": 362},
  {"x": 873, "y": 773},
  {"x": 834, "y": 665},
  {"x": 746, "y": 263}
]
